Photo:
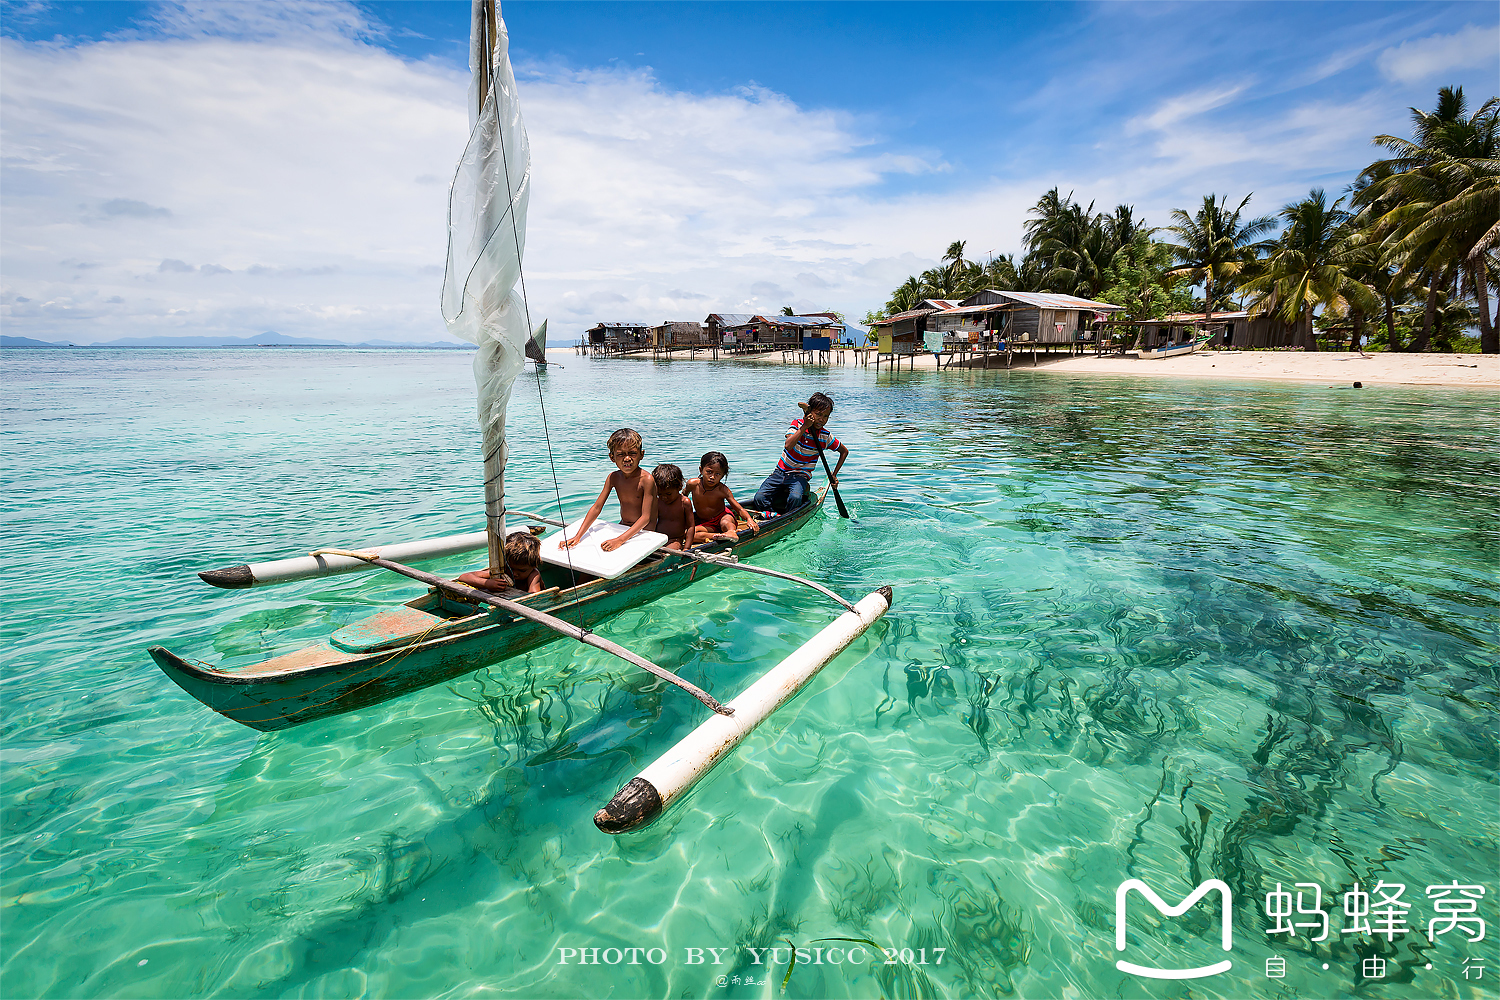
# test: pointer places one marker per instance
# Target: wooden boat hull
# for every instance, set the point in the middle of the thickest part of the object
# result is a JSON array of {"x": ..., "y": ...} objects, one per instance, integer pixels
[
  {"x": 380, "y": 663},
  {"x": 1167, "y": 352}
]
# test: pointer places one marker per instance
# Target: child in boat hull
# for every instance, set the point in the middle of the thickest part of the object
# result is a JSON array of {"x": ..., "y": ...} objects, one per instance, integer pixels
[
  {"x": 674, "y": 514},
  {"x": 786, "y": 488},
  {"x": 523, "y": 556},
  {"x": 716, "y": 513},
  {"x": 633, "y": 486}
]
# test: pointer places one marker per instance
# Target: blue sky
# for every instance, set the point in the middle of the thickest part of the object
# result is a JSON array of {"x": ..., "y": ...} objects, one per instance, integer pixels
[{"x": 241, "y": 167}]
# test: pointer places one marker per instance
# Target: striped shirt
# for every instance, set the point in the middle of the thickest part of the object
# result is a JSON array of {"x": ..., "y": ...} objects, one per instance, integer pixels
[{"x": 801, "y": 456}]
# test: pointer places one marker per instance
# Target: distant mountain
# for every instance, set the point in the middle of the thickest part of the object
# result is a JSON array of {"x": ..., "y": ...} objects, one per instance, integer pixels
[
  {"x": 268, "y": 339},
  {"x": 456, "y": 345},
  {"x": 26, "y": 342}
]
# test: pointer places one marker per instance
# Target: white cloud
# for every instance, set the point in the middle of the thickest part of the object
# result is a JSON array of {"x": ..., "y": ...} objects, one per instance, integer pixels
[
  {"x": 297, "y": 182},
  {"x": 1177, "y": 109},
  {"x": 173, "y": 160},
  {"x": 169, "y": 160},
  {"x": 286, "y": 21},
  {"x": 1470, "y": 47}
]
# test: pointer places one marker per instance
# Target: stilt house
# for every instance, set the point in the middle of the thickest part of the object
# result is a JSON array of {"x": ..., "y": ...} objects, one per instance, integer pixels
[
  {"x": 679, "y": 333},
  {"x": 619, "y": 338},
  {"x": 1024, "y": 317},
  {"x": 905, "y": 332},
  {"x": 1241, "y": 330},
  {"x": 794, "y": 332},
  {"x": 731, "y": 329}
]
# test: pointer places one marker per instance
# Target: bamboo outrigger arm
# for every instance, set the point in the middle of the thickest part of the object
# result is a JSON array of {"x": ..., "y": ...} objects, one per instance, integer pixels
[
  {"x": 727, "y": 561},
  {"x": 540, "y": 617}
]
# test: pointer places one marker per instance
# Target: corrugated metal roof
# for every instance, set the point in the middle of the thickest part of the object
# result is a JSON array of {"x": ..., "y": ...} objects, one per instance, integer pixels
[
  {"x": 989, "y": 307},
  {"x": 809, "y": 321},
  {"x": 909, "y": 314},
  {"x": 732, "y": 319},
  {"x": 1053, "y": 300},
  {"x": 1213, "y": 317}
]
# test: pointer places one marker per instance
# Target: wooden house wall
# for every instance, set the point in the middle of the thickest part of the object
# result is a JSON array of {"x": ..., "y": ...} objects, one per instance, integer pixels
[
  {"x": 1262, "y": 331},
  {"x": 1023, "y": 323},
  {"x": 984, "y": 298},
  {"x": 677, "y": 334}
]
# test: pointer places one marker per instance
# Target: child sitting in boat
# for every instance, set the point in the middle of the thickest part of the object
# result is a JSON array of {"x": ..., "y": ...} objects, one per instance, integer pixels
[
  {"x": 674, "y": 515},
  {"x": 714, "y": 506},
  {"x": 523, "y": 556},
  {"x": 786, "y": 488},
  {"x": 633, "y": 486}
]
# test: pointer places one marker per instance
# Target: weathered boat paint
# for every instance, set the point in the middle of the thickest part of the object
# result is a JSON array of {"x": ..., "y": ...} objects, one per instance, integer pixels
[{"x": 323, "y": 680}]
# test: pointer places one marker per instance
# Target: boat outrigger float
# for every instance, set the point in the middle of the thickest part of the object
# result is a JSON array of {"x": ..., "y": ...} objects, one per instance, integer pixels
[{"x": 455, "y": 629}]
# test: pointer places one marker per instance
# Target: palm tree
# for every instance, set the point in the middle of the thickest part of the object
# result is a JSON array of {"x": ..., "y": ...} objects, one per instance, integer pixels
[
  {"x": 1313, "y": 264},
  {"x": 1122, "y": 227},
  {"x": 1070, "y": 242},
  {"x": 908, "y": 295},
  {"x": 1214, "y": 246},
  {"x": 1437, "y": 204},
  {"x": 1140, "y": 279}
]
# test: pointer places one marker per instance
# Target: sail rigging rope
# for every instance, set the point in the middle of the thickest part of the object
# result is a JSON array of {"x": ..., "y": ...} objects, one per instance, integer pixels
[{"x": 489, "y": 50}]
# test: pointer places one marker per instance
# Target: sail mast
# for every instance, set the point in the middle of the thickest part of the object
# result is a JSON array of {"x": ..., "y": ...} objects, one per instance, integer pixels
[{"x": 486, "y": 238}]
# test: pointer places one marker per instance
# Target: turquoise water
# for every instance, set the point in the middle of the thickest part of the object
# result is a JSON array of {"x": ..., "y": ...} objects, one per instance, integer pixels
[{"x": 1142, "y": 629}]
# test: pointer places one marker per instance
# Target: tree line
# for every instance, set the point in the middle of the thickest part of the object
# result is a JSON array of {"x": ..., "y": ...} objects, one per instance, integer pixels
[{"x": 1403, "y": 259}]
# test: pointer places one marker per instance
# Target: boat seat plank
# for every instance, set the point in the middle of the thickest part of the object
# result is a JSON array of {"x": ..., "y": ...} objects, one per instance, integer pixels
[{"x": 391, "y": 627}]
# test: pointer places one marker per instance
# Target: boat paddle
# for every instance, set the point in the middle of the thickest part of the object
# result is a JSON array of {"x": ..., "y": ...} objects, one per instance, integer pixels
[{"x": 843, "y": 511}]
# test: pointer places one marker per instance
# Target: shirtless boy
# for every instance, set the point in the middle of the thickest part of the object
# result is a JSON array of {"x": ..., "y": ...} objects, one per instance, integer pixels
[
  {"x": 674, "y": 515},
  {"x": 714, "y": 507},
  {"x": 633, "y": 486},
  {"x": 522, "y": 561}
]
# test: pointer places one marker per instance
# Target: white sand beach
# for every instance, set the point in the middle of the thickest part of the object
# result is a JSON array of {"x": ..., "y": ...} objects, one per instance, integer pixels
[{"x": 1480, "y": 371}]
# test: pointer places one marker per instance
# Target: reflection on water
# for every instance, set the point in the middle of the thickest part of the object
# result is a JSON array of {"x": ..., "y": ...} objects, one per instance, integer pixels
[{"x": 1170, "y": 632}]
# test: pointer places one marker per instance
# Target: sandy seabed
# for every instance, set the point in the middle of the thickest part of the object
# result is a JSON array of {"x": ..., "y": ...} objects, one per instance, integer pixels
[{"x": 1479, "y": 371}]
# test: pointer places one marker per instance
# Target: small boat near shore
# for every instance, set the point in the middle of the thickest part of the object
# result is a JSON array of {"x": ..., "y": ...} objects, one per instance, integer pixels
[
  {"x": 1164, "y": 339},
  {"x": 1168, "y": 350}
]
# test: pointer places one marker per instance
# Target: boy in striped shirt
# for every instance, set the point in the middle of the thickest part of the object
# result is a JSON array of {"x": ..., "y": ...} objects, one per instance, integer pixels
[{"x": 786, "y": 489}]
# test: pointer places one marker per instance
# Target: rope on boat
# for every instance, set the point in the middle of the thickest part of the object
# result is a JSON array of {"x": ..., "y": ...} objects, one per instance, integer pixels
[{"x": 540, "y": 617}]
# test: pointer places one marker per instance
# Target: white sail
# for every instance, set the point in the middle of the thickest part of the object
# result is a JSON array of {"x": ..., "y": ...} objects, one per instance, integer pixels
[{"x": 486, "y": 238}]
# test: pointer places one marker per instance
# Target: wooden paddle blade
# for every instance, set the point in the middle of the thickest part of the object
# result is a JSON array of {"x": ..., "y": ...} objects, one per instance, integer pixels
[{"x": 843, "y": 511}]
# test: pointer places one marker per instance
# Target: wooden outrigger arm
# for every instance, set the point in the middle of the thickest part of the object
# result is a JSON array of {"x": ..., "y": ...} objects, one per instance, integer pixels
[
  {"x": 727, "y": 561},
  {"x": 540, "y": 617},
  {"x": 535, "y": 517}
]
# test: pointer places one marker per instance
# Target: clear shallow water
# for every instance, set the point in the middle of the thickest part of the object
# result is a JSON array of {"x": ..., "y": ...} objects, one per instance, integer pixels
[{"x": 1141, "y": 630}]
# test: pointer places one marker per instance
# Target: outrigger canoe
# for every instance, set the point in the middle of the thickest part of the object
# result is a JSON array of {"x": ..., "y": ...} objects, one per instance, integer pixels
[{"x": 439, "y": 635}]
